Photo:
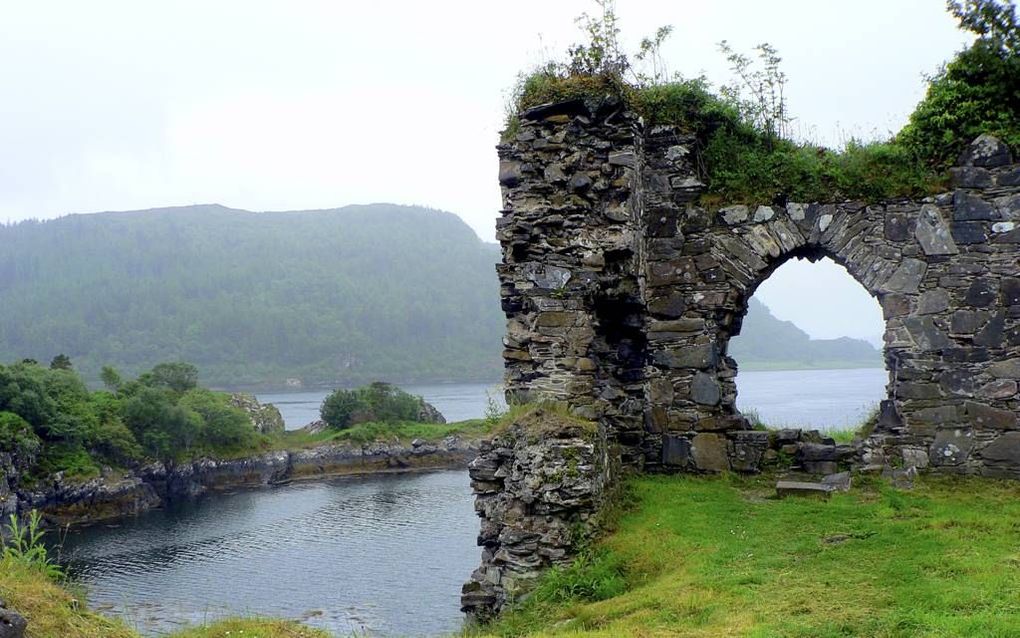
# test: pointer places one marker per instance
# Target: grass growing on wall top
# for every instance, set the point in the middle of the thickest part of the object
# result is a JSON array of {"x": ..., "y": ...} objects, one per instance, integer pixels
[
  {"x": 700, "y": 556},
  {"x": 744, "y": 150},
  {"x": 738, "y": 163}
]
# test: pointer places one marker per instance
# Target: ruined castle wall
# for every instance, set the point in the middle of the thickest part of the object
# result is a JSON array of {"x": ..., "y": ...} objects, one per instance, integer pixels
[
  {"x": 569, "y": 231},
  {"x": 539, "y": 488},
  {"x": 622, "y": 293}
]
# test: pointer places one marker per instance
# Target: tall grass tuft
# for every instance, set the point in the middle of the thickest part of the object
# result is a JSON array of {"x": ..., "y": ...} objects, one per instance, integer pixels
[{"x": 23, "y": 544}]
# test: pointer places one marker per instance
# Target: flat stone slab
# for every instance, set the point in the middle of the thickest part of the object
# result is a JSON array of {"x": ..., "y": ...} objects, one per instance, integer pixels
[
  {"x": 839, "y": 482},
  {"x": 803, "y": 488}
]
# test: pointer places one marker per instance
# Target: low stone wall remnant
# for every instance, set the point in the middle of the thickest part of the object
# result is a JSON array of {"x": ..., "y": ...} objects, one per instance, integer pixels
[{"x": 539, "y": 487}]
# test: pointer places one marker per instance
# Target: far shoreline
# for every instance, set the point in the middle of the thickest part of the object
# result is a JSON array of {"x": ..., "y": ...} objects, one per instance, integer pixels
[
  {"x": 271, "y": 388},
  {"x": 756, "y": 366},
  {"x": 765, "y": 367}
]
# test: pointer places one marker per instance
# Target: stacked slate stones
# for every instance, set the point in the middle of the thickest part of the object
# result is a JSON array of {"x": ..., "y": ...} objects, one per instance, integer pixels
[{"x": 622, "y": 292}]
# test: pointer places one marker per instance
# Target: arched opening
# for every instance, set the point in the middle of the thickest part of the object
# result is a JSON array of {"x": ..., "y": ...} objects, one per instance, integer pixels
[{"x": 809, "y": 351}]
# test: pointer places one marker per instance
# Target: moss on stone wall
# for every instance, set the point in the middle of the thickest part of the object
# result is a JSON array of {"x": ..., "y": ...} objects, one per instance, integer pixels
[
  {"x": 737, "y": 162},
  {"x": 744, "y": 151}
]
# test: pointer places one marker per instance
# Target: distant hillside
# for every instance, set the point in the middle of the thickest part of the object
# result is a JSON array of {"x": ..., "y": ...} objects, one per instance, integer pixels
[
  {"x": 332, "y": 296},
  {"x": 338, "y": 296},
  {"x": 766, "y": 342}
]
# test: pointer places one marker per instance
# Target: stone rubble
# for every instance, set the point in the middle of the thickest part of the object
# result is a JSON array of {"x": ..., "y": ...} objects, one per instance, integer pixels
[
  {"x": 539, "y": 486},
  {"x": 12, "y": 624},
  {"x": 265, "y": 418}
]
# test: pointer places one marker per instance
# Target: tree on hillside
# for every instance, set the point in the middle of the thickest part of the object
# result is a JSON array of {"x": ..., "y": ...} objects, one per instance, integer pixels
[
  {"x": 111, "y": 378},
  {"x": 178, "y": 377},
  {"x": 61, "y": 362},
  {"x": 331, "y": 297}
]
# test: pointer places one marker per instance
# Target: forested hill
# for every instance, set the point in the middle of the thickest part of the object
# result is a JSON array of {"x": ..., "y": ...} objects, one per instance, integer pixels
[
  {"x": 332, "y": 296},
  {"x": 766, "y": 342},
  {"x": 329, "y": 297}
]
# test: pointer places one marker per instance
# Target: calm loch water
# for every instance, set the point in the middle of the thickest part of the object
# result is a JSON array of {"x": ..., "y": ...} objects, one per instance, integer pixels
[
  {"x": 374, "y": 555},
  {"x": 812, "y": 399},
  {"x": 377, "y": 555},
  {"x": 821, "y": 399}
]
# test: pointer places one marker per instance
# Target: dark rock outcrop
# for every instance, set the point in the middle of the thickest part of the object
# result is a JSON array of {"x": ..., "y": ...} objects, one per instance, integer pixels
[
  {"x": 427, "y": 413},
  {"x": 12, "y": 624},
  {"x": 108, "y": 496},
  {"x": 113, "y": 495},
  {"x": 265, "y": 418},
  {"x": 315, "y": 427}
]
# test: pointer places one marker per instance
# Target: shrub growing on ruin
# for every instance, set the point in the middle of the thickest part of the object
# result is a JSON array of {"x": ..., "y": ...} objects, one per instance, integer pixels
[
  {"x": 976, "y": 92},
  {"x": 743, "y": 148}
]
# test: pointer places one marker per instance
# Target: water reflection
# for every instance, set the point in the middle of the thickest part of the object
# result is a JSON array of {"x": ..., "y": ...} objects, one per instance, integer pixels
[{"x": 382, "y": 554}]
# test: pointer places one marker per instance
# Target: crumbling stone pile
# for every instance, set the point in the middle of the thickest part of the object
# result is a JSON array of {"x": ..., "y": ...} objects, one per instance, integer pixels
[{"x": 539, "y": 486}]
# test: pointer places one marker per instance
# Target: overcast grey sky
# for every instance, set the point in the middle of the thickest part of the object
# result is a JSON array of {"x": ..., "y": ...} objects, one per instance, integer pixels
[{"x": 288, "y": 104}]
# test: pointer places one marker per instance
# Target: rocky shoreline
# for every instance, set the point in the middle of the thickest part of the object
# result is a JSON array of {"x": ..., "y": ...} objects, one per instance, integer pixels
[{"x": 63, "y": 502}]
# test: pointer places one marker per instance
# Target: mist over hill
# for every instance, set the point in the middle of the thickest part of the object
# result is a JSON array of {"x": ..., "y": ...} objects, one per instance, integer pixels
[
  {"x": 330, "y": 297},
  {"x": 766, "y": 342}
]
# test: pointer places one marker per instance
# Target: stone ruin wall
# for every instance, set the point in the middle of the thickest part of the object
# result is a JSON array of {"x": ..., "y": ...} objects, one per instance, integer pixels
[
  {"x": 540, "y": 486},
  {"x": 621, "y": 294}
]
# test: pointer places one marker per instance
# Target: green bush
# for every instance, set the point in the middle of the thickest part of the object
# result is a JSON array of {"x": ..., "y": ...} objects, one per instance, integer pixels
[
  {"x": 165, "y": 430},
  {"x": 22, "y": 543},
  {"x": 376, "y": 402},
  {"x": 115, "y": 444},
  {"x": 224, "y": 427},
  {"x": 71, "y": 459},
  {"x": 49, "y": 415},
  {"x": 339, "y": 408},
  {"x": 17, "y": 437},
  {"x": 976, "y": 92},
  {"x": 740, "y": 151},
  {"x": 388, "y": 403}
]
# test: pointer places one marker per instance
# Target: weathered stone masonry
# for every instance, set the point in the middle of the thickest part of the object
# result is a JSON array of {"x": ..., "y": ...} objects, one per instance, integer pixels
[
  {"x": 621, "y": 294},
  {"x": 540, "y": 485}
]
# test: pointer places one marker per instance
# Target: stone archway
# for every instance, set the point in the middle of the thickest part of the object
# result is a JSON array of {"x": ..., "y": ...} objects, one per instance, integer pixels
[
  {"x": 622, "y": 293},
  {"x": 737, "y": 254}
]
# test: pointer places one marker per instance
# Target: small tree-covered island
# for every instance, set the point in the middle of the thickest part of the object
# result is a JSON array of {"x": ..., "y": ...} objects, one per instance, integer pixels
[{"x": 622, "y": 492}]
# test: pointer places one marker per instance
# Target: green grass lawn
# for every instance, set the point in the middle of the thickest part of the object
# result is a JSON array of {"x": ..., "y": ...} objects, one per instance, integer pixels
[
  {"x": 701, "y": 556},
  {"x": 383, "y": 432}
]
